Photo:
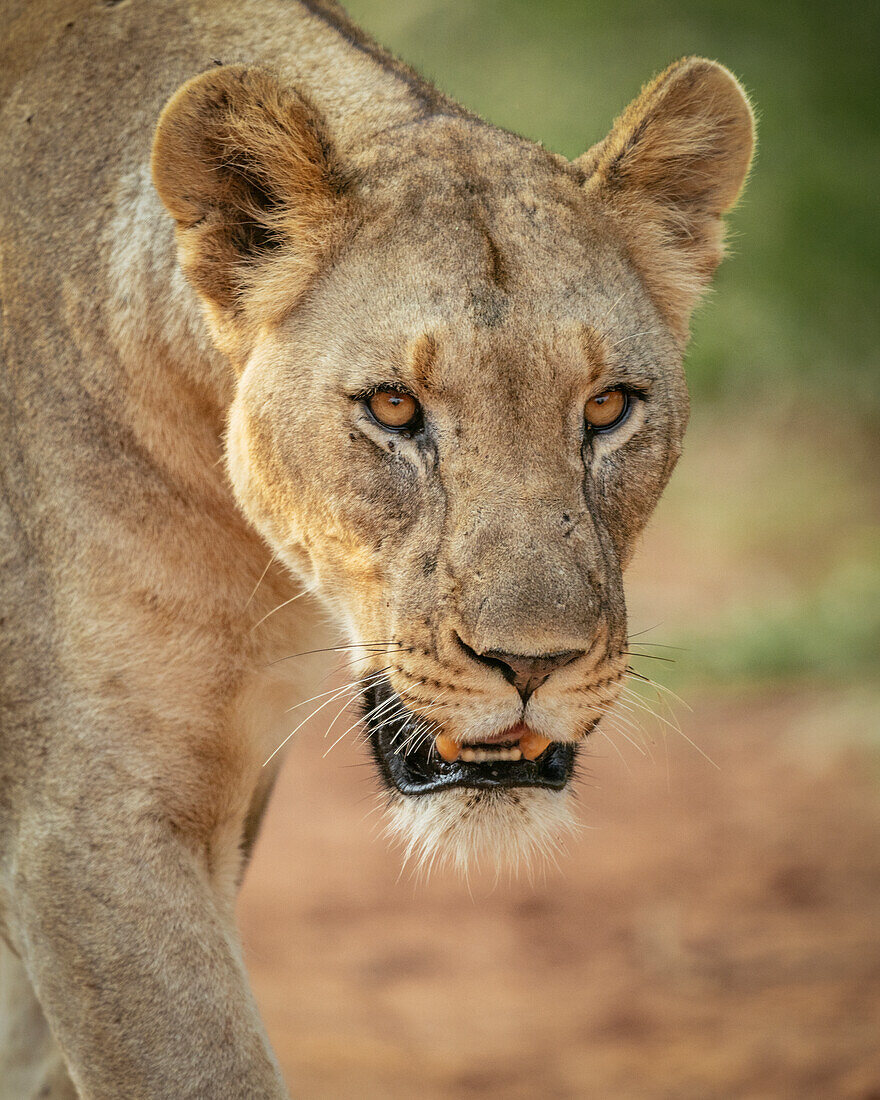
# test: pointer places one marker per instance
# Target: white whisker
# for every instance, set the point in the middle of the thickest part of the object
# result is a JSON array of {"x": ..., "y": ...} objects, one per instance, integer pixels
[
  {"x": 292, "y": 599},
  {"x": 637, "y": 701},
  {"x": 326, "y": 703},
  {"x": 634, "y": 335},
  {"x": 359, "y": 683},
  {"x": 259, "y": 582}
]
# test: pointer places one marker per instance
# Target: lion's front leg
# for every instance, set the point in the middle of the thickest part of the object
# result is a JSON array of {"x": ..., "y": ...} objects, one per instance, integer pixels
[
  {"x": 123, "y": 918},
  {"x": 33, "y": 1065}
]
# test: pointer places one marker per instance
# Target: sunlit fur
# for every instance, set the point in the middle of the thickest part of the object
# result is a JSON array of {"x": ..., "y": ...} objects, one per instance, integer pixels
[{"x": 514, "y": 831}]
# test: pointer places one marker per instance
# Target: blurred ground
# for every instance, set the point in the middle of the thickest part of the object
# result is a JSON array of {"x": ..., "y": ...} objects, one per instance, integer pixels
[{"x": 712, "y": 933}]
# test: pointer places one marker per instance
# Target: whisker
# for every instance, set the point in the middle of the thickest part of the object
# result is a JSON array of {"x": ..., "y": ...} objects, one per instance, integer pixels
[
  {"x": 658, "y": 687},
  {"x": 326, "y": 703},
  {"x": 347, "y": 662},
  {"x": 326, "y": 753},
  {"x": 634, "y": 335},
  {"x": 292, "y": 599},
  {"x": 424, "y": 727},
  {"x": 620, "y": 723},
  {"x": 604, "y": 733},
  {"x": 639, "y": 633},
  {"x": 377, "y": 647},
  {"x": 370, "y": 714},
  {"x": 613, "y": 305},
  {"x": 647, "y": 656},
  {"x": 637, "y": 700},
  {"x": 639, "y": 748},
  {"x": 392, "y": 700},
  {"x": 259, "y": 582},
  {"x": 421, "y": 733},
  {"x": 351, "y": 683},
  {"x": 632, "y": 722}
]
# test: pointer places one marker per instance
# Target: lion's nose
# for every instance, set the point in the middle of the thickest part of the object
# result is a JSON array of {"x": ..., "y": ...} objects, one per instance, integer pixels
[{"x": 525, "y": 671}]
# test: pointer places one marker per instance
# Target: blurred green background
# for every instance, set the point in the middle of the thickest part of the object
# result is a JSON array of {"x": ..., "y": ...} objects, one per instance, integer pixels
[{"x": 763, "y": 561}]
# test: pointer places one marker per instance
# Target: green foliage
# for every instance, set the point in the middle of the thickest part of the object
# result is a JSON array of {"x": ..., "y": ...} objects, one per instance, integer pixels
[{"x": 827, "y": 635}]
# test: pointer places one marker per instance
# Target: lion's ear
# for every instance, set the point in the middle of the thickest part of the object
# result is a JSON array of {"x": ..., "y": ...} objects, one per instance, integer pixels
[
  {"x": 673, "y": 164},
  {"x": 245, "y": 170}
]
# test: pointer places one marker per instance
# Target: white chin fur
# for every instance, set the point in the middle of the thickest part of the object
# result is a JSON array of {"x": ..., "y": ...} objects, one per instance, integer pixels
[{"x": 508, "y": 830}]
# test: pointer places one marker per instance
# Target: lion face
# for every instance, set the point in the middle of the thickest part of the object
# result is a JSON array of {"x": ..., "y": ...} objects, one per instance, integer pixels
[{"x": 457, "y": 420}]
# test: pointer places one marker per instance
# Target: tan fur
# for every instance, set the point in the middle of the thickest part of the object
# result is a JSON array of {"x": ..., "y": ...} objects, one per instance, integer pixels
[{"x": 192, "y": 488}]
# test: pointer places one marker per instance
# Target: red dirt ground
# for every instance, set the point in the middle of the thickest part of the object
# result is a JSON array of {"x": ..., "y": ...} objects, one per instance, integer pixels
[{"x": 714, "y": 932}]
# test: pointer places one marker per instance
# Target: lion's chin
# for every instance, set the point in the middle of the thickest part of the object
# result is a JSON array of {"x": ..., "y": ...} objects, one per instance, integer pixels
[{"x": 505, "y": 830}]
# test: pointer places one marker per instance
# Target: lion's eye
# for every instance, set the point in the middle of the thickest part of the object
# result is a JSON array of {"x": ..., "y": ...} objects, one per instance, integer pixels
[
  {"x": 606, "y": 410},
  {"x": 394, "y": 409}
]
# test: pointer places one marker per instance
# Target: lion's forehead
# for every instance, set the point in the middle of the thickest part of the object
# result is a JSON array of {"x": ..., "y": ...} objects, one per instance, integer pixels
[
  {"x": 462, "y": 200},
  {"x": 496, "y": 310},
  {"x": 522, "y": 244},
  {"x": 484, "y": 237}
]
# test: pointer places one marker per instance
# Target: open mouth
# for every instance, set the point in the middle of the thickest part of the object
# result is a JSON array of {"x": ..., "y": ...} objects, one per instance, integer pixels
[{"x": 415, "y": 761}]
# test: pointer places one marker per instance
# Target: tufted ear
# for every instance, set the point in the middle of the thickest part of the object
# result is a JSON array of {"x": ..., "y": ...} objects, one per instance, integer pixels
[
  {"x": 674, "y": 162},
  {"x": 244, "y": 168}
]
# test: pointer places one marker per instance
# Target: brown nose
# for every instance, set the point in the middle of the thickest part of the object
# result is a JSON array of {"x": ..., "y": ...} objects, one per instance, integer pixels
[{"x": 524, "y": 671}]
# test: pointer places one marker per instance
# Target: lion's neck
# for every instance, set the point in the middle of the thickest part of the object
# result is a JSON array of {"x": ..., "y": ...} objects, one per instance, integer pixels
[{"x": 357, "y": 86}]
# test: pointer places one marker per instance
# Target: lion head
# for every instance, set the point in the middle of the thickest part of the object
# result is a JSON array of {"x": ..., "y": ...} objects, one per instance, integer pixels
[{"x": 460, "y": 394}]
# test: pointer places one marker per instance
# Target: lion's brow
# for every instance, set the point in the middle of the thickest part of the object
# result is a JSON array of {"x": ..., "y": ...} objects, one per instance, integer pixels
[{"x": 422, "y": 356}]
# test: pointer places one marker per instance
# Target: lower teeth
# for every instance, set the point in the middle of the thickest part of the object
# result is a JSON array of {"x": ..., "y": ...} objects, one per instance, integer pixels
[
  {"x": 528, "y": 746},
  {"x": 480, "y": 756}
]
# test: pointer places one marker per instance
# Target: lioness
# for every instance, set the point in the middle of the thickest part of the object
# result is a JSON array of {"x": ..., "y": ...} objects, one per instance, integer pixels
[{"x": 382, "y": 356}]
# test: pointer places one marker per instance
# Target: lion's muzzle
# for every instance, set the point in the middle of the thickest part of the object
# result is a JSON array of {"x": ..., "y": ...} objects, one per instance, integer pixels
[{"x": 415, "y": 760}]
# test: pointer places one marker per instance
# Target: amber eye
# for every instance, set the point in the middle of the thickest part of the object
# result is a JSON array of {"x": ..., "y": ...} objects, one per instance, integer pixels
[
  {"x": 394, "y": 409},
  {"x": 606, "y": 410}
]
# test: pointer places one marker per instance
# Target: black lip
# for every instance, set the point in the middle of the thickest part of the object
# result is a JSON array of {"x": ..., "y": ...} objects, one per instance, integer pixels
[{"x": 421, "y": 771}]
